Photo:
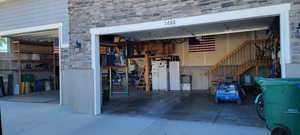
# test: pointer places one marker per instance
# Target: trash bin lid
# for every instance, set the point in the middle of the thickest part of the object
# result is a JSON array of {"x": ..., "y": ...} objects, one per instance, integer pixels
[{"x": 277, "y": 81}]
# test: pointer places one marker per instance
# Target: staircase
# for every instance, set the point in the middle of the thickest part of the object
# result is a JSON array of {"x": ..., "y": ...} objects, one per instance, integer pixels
[
  {"x": 250, "y": 54},
  {"x": 250, "y": 64},
  {"x": 142, "y": 82}
]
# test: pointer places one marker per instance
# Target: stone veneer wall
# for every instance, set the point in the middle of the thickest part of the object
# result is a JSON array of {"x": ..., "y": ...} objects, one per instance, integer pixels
[
  {"x": 295, "y": 38},
  {"x": 86, "y": 14}
]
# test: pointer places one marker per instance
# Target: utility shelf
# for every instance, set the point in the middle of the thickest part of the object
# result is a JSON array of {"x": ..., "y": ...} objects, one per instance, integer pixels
[
  {"x": 33, "y": 61},
  {"x": 35, "y": 70},
  {"x": 33, "y": 52},
  {"x": 108, "y": 67},
  {"x": 26, "y": 70}
]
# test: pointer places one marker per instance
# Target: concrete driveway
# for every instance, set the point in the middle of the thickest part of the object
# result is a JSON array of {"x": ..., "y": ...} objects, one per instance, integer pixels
[{"x": 50, "y": 119}]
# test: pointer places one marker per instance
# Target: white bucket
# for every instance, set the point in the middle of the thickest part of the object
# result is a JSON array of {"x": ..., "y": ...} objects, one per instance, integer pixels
[
  {"x": 17, "y": 90},
  {"x": 47, "y": 86}
]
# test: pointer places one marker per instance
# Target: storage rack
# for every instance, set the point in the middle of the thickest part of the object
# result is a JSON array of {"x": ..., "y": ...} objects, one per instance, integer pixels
[
  {"x": 19, "y": 49},
  {"x": 102, "y": 50},
  {"x": 110, "y": 68}
]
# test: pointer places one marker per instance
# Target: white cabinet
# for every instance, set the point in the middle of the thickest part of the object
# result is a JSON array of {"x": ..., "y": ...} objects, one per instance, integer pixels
[
  {"x": 155, "y": 75},
  {"x": 174, "y": 73}
]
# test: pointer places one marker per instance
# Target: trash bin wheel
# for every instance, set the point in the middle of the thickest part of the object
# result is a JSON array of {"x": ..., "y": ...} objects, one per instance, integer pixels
[
  {"x": 280, "y": 130},
  {"x": 260, "y": 108}
]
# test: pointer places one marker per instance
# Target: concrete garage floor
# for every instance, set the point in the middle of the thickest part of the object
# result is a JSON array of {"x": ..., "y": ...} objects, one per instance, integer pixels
[
  {"x": 36, "y": 97},
  {"x": 49, "y": 119},
  {"x": 195, "y": 106}
]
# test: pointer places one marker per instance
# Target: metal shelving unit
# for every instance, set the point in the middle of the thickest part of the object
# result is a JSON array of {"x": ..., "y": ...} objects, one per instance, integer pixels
[
  {"x": 20, "y": 49},
  {"x": 110, "y": 68}
]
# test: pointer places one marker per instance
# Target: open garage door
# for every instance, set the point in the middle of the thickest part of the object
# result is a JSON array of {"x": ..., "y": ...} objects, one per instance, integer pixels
[
  {"x": 30, "y": 67},
  {"x": 176, "y": 73},
  {"x": 229, "y": 35}
]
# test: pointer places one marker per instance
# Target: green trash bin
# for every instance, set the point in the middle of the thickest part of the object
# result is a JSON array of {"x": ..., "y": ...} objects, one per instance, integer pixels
[{"x": 281, "y": 105}]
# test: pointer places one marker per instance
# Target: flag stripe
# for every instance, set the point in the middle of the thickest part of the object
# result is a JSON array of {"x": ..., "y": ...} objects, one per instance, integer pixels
[
  {"x": 201, "y": 49},
  {"x": 203, "y": 45}
]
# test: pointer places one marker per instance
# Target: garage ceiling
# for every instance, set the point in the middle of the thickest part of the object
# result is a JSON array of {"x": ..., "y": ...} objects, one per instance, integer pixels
[
  {"x": 38, "y": 36},
  {"x": 203, "y": 29}
]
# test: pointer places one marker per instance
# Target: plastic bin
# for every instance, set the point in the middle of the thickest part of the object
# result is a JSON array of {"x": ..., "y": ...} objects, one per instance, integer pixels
[
  {"x": 39, "y": 85},
  {"x": 281, "y": 104}
]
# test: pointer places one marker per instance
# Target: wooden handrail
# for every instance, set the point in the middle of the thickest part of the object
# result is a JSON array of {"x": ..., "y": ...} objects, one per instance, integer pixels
[
  {"x": 249, "y": 54},
  {"x": 235, "y": 52}
]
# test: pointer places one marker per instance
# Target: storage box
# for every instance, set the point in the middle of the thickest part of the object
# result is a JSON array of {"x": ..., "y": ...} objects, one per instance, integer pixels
[{"x": 186, "y": 86}]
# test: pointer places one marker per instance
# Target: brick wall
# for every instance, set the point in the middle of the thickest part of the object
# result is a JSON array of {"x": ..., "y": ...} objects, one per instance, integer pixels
[
  {"x": 295, "y": 37},
  {"x": 86, "y": 14}
]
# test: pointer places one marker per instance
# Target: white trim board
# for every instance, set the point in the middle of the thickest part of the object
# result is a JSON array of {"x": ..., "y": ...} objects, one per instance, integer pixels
[
  {"x": 281, "y": 10},
  {"x": 58, "y": 26},
  {"x": 31, "y": 29},
  {"x": 196, "y": 20}
]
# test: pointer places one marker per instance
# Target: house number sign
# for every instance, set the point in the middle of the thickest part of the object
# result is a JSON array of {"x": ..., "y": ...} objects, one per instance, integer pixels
[{"x": 170, "y": 22}]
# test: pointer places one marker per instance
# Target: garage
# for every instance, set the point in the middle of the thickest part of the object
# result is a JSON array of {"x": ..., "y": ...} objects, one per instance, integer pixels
[
  {"x": 230, "y": 50},
  {"x": 144, "y": 67},
  {"x": 30, "y": 69}
]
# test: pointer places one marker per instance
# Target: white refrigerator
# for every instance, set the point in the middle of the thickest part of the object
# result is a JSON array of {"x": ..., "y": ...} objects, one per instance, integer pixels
[
  {"x": 174, "y": 75},
  {"x": 155, "y": 75},
  {"x": 160, "y": 75}
]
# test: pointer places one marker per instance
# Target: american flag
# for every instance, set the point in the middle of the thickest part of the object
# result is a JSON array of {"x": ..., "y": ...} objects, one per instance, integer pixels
[
  {"x": 55, "y": 49},
  {"x": 202, "y": 44}
]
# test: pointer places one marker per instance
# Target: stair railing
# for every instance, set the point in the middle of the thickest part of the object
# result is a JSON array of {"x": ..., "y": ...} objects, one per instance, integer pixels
[{"x": 240, "y": 59}]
